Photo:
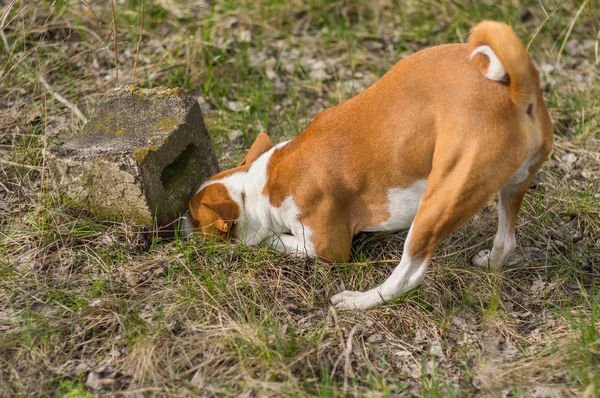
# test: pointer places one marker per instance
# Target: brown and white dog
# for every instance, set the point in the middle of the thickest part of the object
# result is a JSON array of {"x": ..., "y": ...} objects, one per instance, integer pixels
[{"x": 424, "y": 147}]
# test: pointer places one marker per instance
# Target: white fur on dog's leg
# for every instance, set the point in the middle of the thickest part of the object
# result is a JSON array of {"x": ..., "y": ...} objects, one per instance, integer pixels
[
  {"x": 360, "y": 300},
  {"x": 504, "y": 243},
  {"x": 407, "y": 275},
  {"x": 291, "y": 244},
  {"x": 482, "y": 258}
]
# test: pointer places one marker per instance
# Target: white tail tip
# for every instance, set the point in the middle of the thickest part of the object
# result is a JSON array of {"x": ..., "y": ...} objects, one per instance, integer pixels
[{"x": 495, "y": 70}]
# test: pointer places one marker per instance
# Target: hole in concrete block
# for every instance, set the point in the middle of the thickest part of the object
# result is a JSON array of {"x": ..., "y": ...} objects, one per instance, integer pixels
[{"x": 178, "y": 169}]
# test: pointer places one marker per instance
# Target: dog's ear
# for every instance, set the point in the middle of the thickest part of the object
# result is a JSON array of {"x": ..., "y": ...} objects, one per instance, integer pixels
[
  {"x": 228, "y": 211},
  {"x": 213, "y": 212},
  {"x": 261, "y": 145}
]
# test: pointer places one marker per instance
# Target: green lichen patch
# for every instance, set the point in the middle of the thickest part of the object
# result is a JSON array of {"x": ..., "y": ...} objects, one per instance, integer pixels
[
  {"x": 158, "y": 141},
  {"x": 177, "y": 91},
  {"x": 102, "y": 127},
  {"x": 165, "y": 92},
  {"x": 166, "y": 124},
  {"x": 141, "y": 153}
]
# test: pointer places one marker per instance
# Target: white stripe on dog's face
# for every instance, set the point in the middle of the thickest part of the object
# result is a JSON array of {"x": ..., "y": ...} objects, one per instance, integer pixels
[{"x": 257, "y": 218}]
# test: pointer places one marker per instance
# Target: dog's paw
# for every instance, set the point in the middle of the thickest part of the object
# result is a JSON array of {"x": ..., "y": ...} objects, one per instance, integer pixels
[
  {"x": 355, "y": 300},
  {"x": 482, "y": 258}
]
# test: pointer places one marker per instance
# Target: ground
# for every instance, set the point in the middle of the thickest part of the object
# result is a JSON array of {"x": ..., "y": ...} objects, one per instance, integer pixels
[{"x": 95, "y": 308}]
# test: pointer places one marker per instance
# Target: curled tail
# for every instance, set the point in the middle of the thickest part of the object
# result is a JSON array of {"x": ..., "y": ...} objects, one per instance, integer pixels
[{"x": 507, "y": 60}]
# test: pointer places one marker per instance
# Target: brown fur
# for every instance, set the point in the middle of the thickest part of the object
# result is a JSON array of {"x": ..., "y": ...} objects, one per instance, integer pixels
[{"x": 432, "y": 116}]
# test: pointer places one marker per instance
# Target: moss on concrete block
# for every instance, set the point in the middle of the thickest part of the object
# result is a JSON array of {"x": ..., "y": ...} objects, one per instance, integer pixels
[{"x": 139, "y": 158}]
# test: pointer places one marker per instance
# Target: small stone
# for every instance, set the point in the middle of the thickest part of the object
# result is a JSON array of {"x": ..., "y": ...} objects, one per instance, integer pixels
[
  {"x": 510, "y": 352},
  {"x": 318, "y": 75},
  {"x": 245, "y": 36},
  {"x": 420, "y": 335},
  {"x": 411, "y": 370},
  {"x": 429, "y": 367},
  {"x": 574, "y": 47},
  {"x": 198, "y": 380},
  {"x": 96, "y": 302},
  {"x": 235, "y": 106},
  {"x": 546, "y": 392},
  {"x": 436, "y": 349},
  {"x": 375, "y": 338},
  {"x": 93, "y": 381},
  {"x": 537, "y": 287},
  {"x": 132, "y": 278},
  {"x": 107, "y": 382},
  {"x": 234, "y": 135},
  {"x": 460, "y": 323},
  {"x": 547, "y": 68},
  {"x": 569, "y": 161},
  {"x": 204, "y": 106},
  {"x": 317, "y": 69},
  {"x": 139, "y": 158},
  {"x": 280, "y": 88},
  {"x": 246, "y": 394},
  {"x": 374, "y": 45},
  {"x": 82, "y": 367}
]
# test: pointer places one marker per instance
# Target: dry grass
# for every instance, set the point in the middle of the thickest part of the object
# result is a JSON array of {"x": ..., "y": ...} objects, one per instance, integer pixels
[{"x": 90, "y": 308}]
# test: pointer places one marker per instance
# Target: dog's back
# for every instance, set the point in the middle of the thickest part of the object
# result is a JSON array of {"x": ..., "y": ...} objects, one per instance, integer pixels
[{"x": 440, "y": 99}]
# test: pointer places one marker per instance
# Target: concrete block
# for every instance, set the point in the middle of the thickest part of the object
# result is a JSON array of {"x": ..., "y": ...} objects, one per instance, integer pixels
[{"x": 139, "y": 158}]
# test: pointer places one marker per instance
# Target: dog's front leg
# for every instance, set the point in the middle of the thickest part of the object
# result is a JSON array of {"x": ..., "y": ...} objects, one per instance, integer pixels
[
  {"x": 406, "y": 276},
  {"x": 298, "y": 246},
  {"x": 445, "y": 206}
]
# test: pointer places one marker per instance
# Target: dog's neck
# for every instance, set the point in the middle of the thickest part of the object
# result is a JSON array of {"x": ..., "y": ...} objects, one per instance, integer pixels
[{"x": 258, "y": 218}]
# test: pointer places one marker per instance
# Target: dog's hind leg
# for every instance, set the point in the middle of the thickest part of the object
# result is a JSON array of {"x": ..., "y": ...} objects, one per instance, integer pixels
[
  {"x": 509, "y": 202},
  {"x": 505, "y": 242},
  {"x": 454, "y": 193}
]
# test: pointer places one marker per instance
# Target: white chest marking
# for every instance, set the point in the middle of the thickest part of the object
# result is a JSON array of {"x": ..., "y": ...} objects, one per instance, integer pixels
[
  {"x": 289, "y": 233},
  {"x": 403, "y": 204},
  {"x": 259, "y": 220}
]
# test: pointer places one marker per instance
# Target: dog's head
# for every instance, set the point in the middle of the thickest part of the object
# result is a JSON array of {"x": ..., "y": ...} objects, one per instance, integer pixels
[{"x": 212, "y": 210}]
